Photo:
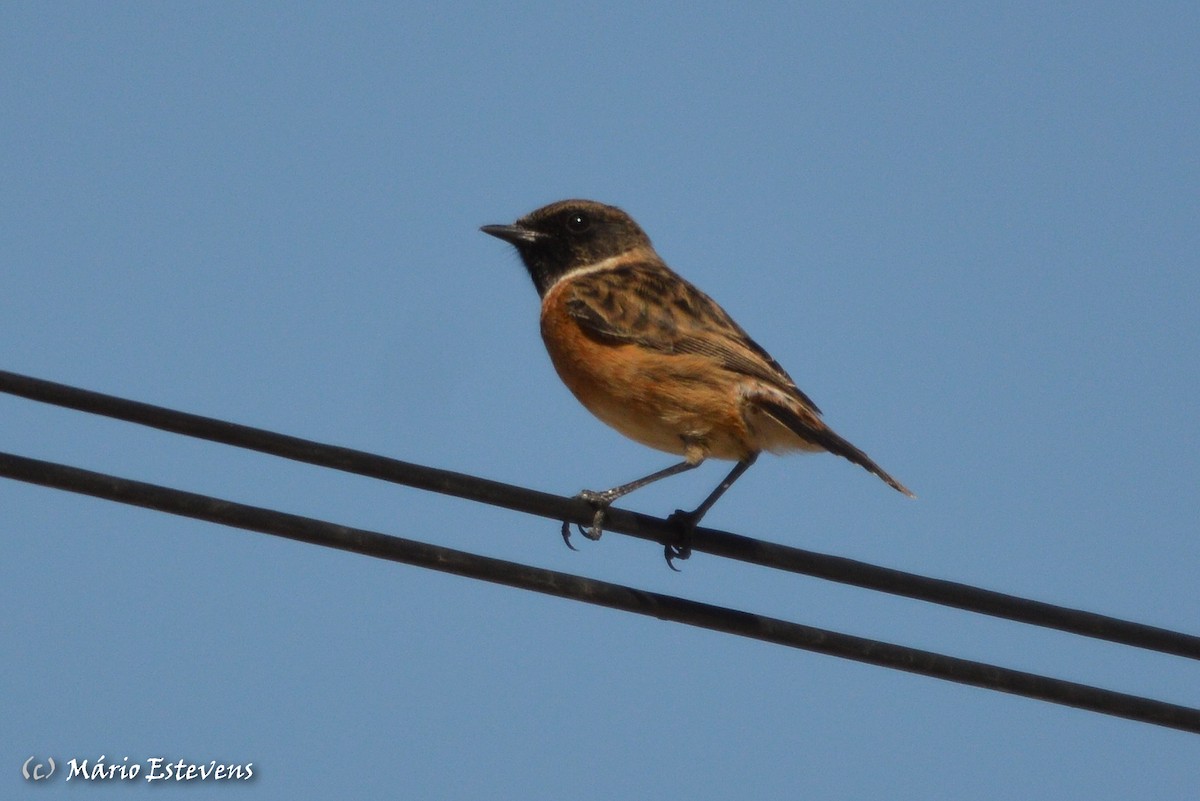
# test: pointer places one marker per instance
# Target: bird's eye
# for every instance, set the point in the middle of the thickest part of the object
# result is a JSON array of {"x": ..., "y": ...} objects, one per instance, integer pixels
[{"x": 578, "y": 222}]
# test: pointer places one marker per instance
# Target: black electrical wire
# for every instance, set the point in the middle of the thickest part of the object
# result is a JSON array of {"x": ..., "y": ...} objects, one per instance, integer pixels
[
  {"x": 601, "y": 593},
  {"x": 712, "y": 541}
]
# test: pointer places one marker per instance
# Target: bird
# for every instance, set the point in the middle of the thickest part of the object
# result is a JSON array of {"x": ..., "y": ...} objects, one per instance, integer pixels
[{"x": 658, "y": 360}]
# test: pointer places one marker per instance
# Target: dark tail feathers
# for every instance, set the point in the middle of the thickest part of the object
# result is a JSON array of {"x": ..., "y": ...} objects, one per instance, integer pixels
[{"x": 814, "y": 430}]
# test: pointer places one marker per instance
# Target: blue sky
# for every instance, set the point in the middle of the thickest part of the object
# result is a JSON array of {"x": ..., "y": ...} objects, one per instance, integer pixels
[{"x": 970, "y": 234}]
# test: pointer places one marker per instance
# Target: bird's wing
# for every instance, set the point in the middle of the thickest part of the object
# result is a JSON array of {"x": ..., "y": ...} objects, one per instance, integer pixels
[{"x": 648, "y": 305}]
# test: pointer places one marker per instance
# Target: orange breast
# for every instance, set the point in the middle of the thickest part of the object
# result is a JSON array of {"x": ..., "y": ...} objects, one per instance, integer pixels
[{"x": 679, "y": 403}]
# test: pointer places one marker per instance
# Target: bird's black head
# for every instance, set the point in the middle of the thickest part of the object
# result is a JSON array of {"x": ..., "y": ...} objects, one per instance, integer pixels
[{"x": 569, "y": 235}]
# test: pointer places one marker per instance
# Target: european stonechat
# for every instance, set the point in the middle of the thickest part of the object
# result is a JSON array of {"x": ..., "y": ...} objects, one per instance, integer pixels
[{"x": 656, "y": 358}]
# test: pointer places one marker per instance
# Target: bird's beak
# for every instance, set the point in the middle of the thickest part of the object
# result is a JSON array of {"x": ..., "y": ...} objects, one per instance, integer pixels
[{"x": 513, "y": 234}]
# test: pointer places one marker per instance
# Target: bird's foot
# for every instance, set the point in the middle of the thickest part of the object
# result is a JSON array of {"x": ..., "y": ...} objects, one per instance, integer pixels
[
  {"x": 685, "y": 524},
  {"x": 566, "y": 534},
  {"x": 600, "y": 501}
]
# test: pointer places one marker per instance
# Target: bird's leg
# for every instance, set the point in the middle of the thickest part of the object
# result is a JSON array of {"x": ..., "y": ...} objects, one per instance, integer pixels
[
  {"x": 686, "y": 521},
  {"x": 600, "y": 501}
]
